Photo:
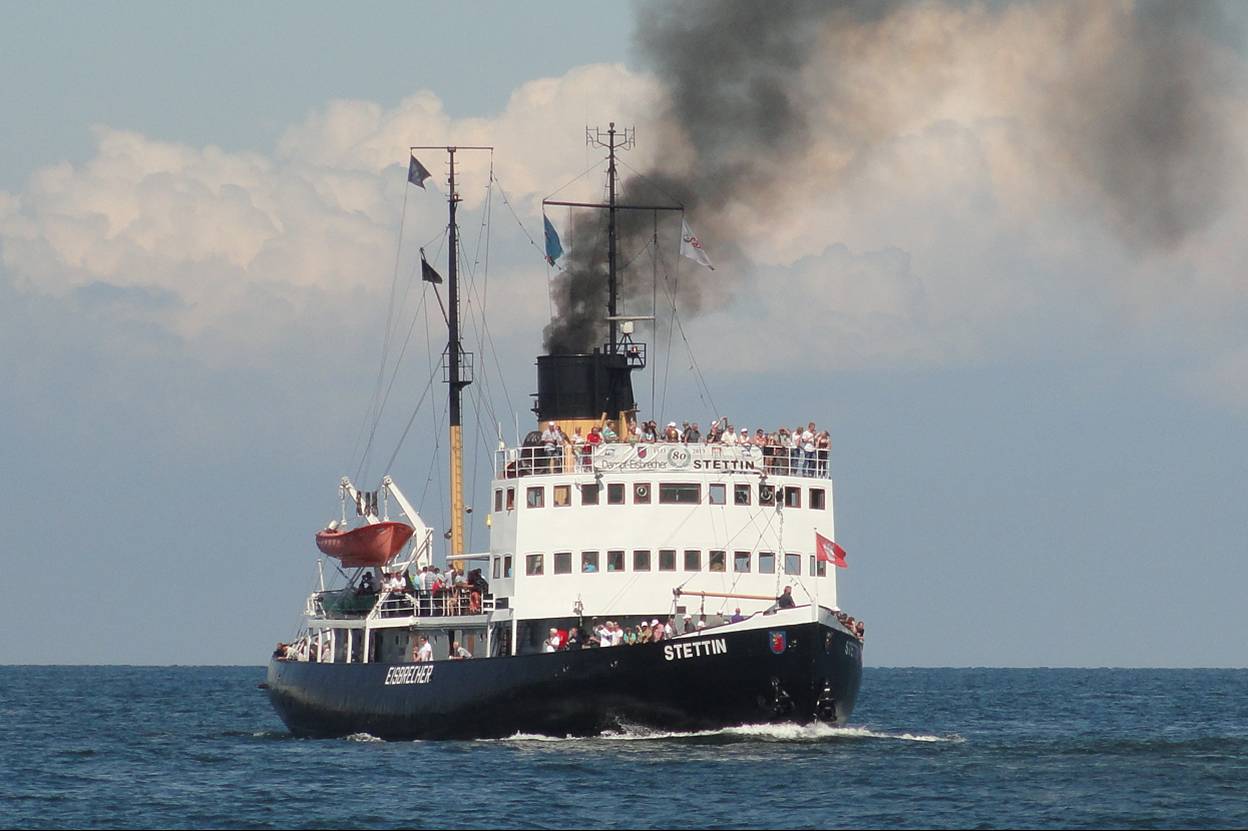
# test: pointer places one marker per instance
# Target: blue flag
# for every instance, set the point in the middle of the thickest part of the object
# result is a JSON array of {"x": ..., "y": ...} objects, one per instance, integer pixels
[
  {"x": 417, "y": 174},
  {"x": 554, "y": 248}
]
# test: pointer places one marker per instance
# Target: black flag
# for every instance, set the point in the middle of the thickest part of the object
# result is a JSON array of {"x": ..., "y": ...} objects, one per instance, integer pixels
[
  {"x": 426, "y": 271},
  {"x": 417, "y": 174}
]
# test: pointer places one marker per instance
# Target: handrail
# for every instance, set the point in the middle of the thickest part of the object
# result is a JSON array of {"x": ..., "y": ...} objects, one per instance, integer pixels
[{"x": 660, "y": 456}]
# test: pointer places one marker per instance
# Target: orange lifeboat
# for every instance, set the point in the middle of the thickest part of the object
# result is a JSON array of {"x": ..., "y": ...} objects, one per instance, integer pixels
[{"x": 368, "y": 545}]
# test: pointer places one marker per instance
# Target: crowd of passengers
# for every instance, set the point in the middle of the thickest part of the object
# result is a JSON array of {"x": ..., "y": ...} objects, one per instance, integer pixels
[
  {"x": 432, "y": 591},
  {"x": 612, "y": 633},
  {"x": 800, "y": 451}
]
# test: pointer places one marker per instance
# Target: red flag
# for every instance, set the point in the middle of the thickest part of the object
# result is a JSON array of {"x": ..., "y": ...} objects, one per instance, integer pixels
[{"x": 829, "y": 552}]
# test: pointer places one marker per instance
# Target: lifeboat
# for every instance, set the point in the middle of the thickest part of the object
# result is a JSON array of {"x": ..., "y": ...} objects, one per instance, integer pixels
[{"x": 368, "y": 545}]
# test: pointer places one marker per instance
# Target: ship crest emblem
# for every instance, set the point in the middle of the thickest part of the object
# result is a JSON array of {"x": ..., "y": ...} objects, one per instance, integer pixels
[
  {"x": 779, "y": 642},
  {"x": 678, "y": 457},
  {"x": 641, "y": 453}
]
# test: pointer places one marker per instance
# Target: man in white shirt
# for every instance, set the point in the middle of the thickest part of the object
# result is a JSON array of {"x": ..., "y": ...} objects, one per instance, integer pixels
[{"x": 424, "y": 652}]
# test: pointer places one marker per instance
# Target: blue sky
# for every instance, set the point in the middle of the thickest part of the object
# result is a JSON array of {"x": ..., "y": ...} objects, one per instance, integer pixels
[{"x": 1038, "y": 410}]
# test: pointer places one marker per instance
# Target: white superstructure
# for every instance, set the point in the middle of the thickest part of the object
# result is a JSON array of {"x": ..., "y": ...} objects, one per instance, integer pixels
[{"x": 611, "y": 532}]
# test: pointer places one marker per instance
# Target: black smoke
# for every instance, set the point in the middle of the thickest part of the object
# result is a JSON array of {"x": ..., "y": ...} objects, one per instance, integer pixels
[{"x": 1126, "y": 101}]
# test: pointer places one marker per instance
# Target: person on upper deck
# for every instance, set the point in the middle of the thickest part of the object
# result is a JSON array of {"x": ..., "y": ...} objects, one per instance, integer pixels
[
  {"x": 785, "y": 600},
  {"x": 692, "y": 434}
]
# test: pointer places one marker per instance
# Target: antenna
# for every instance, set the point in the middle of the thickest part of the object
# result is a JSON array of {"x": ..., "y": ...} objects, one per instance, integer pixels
[{"x": 624, "y": 139}]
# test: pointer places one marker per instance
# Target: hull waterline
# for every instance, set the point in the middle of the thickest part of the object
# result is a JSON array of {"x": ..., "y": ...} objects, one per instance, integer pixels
[{"x": 794, "y": 673}]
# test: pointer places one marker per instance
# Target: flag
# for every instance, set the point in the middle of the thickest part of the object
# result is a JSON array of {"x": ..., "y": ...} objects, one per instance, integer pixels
[
  {"x": 691, "y": 246},
  {"x": 426, "y": 271},
  {"x": 554, "y": 248},
  {"x": 830, "y": 552},
  {"x": 417, "y": 174}
]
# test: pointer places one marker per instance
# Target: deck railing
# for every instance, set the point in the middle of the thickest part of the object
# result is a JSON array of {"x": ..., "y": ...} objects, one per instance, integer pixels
[
  {"x": 343, "y": 604},
  {"x": 515, "y": 462}
]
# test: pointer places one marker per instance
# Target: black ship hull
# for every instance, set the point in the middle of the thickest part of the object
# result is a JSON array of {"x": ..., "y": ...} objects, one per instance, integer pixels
[{"x": 795, "y": 673}]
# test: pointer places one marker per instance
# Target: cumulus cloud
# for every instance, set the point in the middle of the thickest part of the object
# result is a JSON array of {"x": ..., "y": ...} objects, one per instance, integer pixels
[
  {"x": 312, "y": 224},
  {"x": 938, "y": 205}
]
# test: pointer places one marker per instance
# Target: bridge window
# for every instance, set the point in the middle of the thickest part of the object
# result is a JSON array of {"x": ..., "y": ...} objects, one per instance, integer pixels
[
  {"x": 641, "y": 493},
  {"x": 718, "y": 561},
  {"x": 792, "y": 563},
  {"x": 562, "y": 496},
  {"x": 680, "y": 493},
  {"x": 563, "y": 562},
  {"x": 533, "y": 564},
  {"x": 511, "y": 499},
  {"x": 498, "y": 499},
  {"x": 589, "y": 493},
  {"x": 792, "y": 497},
  {"x": 693, "y": 560},
  {"x": 818, "y": 499},
  {"x": 615, "y": 561},
  {"x": 716, "y": 494},
  {"x": 507, "y": 567},
  {"x": 667, "y": 559},
  {"x": 741, "y": 561},
  {"x": 818, "y": 567},
  {"x": 741, "y": 494},
  {"x": 536, "y": 497},
  {"x": 766, "y": 562},
  {"x": 589, "y": 562},
  {"x": 641, "y": 560},
  {"x": 615, "y": 493}
]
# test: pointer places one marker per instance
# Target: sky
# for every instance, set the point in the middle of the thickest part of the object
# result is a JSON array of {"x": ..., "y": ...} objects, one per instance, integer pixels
[{"x": 995, "y": 249}]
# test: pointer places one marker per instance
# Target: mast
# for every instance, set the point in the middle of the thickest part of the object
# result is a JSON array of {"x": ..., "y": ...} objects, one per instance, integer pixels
[
  {"x": 457, "y": 366},
  {"x": 627, "y": 138},
  {"x": 454, "y": 382}
]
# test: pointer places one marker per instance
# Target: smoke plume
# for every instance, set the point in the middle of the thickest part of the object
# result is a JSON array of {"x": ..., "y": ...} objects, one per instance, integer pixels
[{"x": 1120, "y": 106}]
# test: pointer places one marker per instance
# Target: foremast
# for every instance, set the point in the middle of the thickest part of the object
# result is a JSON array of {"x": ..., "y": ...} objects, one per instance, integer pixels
[{"x": 457, "y": 373}]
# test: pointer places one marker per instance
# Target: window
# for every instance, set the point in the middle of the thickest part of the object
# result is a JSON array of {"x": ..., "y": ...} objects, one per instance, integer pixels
[
  {"x": 693, "y": 560},
  {"x": 792, "y": 563},
  {"x": 641, "y": 493},
  {"x": 641, "y": 560},
  {"x": 589, "y": 493},
  {"x": 498, "y": 499},
  {"x": 507, "y": 567},
  {"x": 511, "y": 499},
  {"x": 679, "y": 493},
  {"x": 563, "y": 562},
  {"x": 766, "y": 562},
  {"x": 536, "y": 497},
  {"x": 615, "y": 493},
  {"x": 615, "y": 561},
  {"x": 766, "y": 495},
  {"x": 717, "y": 494},
  {"x": 667, "y": 559},
  {"x": 792, "y": 497},
  {"x": 818, "y": 499},
  {"x": 741, "y": 561},
  {"x": 589, "y": 562},
  {"x": 741, "y": 494},
  {"x": 498, "y": 567},
  {"x": 562, "y": 496},
  {"x": 818, "y": 567},
  {"x": 719, "y": 560},
  {"x": 533, "y": 564}
]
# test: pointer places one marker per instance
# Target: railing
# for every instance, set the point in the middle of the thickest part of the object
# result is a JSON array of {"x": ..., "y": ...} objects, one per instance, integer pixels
[
  {"x": 344, "y": 604},
  {"x": 774, "y": 460}
]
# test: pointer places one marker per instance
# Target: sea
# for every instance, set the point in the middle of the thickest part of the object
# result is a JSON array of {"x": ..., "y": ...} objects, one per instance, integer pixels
[{"x": 200, "y": 747}]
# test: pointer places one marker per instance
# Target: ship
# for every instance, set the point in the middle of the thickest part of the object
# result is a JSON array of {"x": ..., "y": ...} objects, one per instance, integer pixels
[{"x": 650, "y": 582}]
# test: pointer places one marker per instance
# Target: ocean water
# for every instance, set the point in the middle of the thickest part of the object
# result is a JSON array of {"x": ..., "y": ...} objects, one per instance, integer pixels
[{"x": 189, "y": 747}]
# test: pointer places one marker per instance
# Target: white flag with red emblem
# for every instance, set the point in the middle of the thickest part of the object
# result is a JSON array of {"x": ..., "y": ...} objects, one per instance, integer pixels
[
  {"x": 691, "y": 246},
  {"x": 829, "y": 552}
]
